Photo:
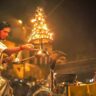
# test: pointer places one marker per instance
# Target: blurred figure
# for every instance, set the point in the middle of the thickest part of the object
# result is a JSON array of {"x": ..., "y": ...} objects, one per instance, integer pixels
[{"x": 94, "y": 78}]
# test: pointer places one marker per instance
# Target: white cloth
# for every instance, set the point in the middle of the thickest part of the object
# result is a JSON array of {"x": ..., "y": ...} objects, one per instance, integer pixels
[
  {"x": 5, "y": 89},
  {"x": 2, "y": 47}
]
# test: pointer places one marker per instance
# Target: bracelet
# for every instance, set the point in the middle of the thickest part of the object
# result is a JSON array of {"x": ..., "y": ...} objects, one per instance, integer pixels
[{"x": 21, "y": 47}]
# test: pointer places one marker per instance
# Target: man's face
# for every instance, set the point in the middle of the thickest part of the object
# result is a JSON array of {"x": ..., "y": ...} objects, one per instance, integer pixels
[{"x": 4, "y": 33}]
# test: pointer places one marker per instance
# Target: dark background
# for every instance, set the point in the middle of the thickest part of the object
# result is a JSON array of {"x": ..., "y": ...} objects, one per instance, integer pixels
[{"x": 72, "y": 21}]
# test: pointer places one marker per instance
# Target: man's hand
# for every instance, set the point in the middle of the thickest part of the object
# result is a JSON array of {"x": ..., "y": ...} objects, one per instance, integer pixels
[{"x": 27, "y": 46}]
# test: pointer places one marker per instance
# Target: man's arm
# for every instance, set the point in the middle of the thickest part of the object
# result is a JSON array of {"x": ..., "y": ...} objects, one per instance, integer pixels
[{"x": 10, "y": 51}]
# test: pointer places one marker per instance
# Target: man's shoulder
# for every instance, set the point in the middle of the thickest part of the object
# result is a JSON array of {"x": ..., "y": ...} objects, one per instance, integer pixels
[
  {"x": 2, "y": 44},
  {"x": 9, "y": 44}
]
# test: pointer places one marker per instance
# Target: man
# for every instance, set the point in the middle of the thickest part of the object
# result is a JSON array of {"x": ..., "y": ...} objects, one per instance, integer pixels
[{"x": 5, "y": 89}]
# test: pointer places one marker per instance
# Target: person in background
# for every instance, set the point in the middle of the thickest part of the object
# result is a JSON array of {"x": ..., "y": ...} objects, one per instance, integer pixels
[
  {"x": 5, "y": 28},
  {"x": 94, "y": 77}
]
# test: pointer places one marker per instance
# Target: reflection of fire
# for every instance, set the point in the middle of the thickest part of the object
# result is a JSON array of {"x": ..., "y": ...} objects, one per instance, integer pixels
[{"x": 27, "y": 70}]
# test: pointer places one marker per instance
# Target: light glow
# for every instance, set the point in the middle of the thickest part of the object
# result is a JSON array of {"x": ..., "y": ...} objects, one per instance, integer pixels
[{"x": 40, "y": 29}]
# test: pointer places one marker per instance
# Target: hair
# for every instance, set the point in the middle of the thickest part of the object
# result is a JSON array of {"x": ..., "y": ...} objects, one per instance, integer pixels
[{"x": 4, "y": 24}]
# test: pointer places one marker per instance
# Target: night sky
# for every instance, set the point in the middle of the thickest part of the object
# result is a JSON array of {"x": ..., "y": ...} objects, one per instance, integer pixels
[{"x": 72, "y": 21}]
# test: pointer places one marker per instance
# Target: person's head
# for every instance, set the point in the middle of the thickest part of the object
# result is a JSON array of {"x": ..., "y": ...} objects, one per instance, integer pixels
[{"x": 4, "y": 30}]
